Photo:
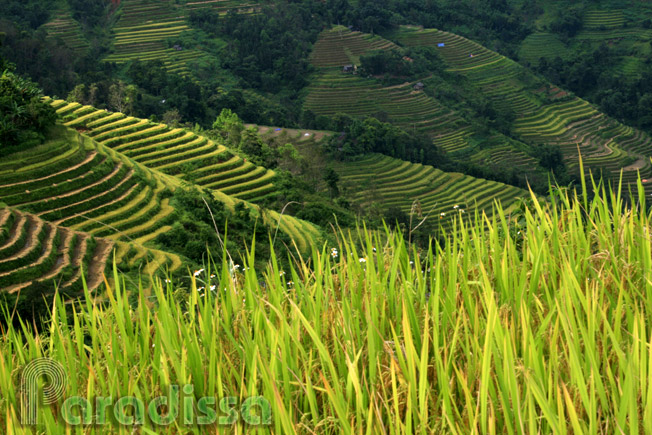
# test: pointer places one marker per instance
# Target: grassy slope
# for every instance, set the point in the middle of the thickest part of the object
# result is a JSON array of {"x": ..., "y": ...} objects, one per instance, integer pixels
[
  {"x": 539, "y": 328},
  {"x": 143, "y": 27},
  {"x": 186, "y": 157}
]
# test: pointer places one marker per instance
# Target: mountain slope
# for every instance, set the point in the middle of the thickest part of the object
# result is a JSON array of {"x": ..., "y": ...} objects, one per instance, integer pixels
[
  {"x": 331, "y": 92},
  {"x": 173, "y": 151},
  {"x": 182, "y": 159},
  {"x": 378, "y": 181},
  {"x": 544, "y": 114},
  {"x": 35, "y": 253}
]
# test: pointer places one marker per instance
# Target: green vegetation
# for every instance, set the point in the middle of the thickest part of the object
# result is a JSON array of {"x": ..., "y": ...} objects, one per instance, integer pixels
[
  {"x": 24, "y": 118},
  {"x": 173, "y": 151},
  {"x": 418, "y": 245},
  {"x": 377, "y": 183},
  {"x": 141, "y": 34},
  {"x": 544, "y": 114},
  {"x": 102, "y": 192},
  {"x": 538, "y": 325}
]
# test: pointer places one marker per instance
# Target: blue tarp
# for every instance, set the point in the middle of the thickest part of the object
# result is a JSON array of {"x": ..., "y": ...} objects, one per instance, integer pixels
[
  {"x": 441, "y": 44},
  {"x": 278, "y": 129}
]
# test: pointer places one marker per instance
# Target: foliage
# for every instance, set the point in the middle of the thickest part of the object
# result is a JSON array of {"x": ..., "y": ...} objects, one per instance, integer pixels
[
  {"x": 201, "y": 217},
  {"x": 590, "y": 74},
  {"x": 229, "y": 126},
  {"x": 568, "y": 21},
  {"x": 540, "y": 318},
  {"x": 31, "y": 13},
  {"x": 24, "y": 118},
  {"x": 371, "y": 135},
  {"x": 90, "y": 13},
  {"x": 269, "y": 50},
  {"x": 331, "y": 178}
]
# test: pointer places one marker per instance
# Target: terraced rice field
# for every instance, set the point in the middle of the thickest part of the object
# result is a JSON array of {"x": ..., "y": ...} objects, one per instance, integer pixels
[
  {"x": 495, "y": 75},
  {"x": 571, "y": 123},
  {"x": 603, "y": 142},
  {"x": 603, "y": 19},
  {"x": 538, "y": 45},
  {"x": 85, "y": 188},
  {"x": 632, "y": 67},
  {"x": 391, "y": 182},
  {"x": 34, "y": 251},
  {"x": 597, "y": 36},
  {"x": 340, "y": 46},
  {"x": 71, "y": 200},
  {"x": 173, "y": 151},
  {"x": 333, "y": 92},
  {"x": 222, "y": 6},
  {"x": 63, "y": 26},
  {"x": 498, "y": 156},
  {"x": 179, "y": 154},
  {"x": 141, "y": 34}
]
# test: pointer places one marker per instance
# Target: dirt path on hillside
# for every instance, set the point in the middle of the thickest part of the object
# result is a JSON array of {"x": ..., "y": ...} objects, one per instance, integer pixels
[{"x": 637, "y": 165}]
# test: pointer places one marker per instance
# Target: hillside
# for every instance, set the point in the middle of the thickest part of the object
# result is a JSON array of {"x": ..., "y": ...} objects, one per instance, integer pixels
[
  {"x": 34, "y": 254},
  {"x": 600, "y": 50},
  {"x": 173, "y": 151},
  {"x": 443, "y": 197},
  {"x": 186, "y": 157},
  {"x": 339, "y": 217},
  {"x": 92, "y": 198},
  {"x": 488, "y": 115},
  {"x": 547, "y": 114},
  {"x": 332, "y": 92},
  {"x": 105, "y": 191},
  {"x": 375, "y": 182}
]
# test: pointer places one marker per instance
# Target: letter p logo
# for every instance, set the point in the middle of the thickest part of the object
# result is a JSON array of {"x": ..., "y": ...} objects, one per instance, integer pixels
[{"x": 53, "y": 388}]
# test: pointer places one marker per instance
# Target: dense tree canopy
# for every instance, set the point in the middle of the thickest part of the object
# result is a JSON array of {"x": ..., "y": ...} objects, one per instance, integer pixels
[{"x": 24, "y": 118}]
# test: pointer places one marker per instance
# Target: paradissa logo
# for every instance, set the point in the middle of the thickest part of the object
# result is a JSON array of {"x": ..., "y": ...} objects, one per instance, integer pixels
[
  {"x": 131, "y": 410},
  {"x": 55, "y": 384}
]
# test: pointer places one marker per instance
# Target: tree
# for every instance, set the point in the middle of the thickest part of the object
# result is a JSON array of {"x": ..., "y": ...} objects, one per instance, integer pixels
[
  {"x": 290, "y": 159},
  {"x": 122, "y": 97},
  {"x": 172, "y": 118},
  {"x": 93, "y": 90},
  {"x": 332, "y": 178},
  {"x": 252, "y": 145},
  {"x": 24, "y": 118},
  {"x": 229, "y": 126},
  {"x": 78, "y": 94},
  {"x": 117, "y": 96}
]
